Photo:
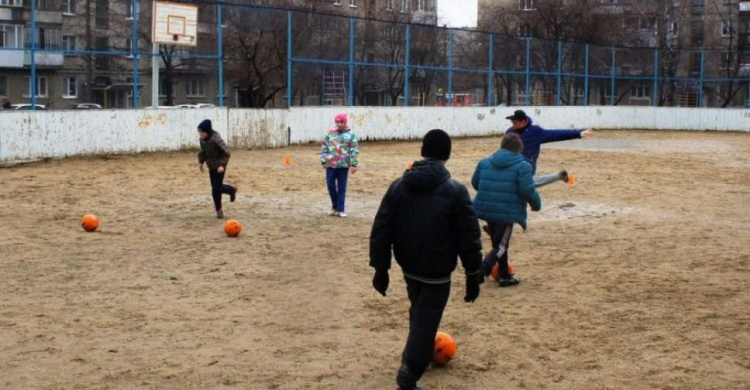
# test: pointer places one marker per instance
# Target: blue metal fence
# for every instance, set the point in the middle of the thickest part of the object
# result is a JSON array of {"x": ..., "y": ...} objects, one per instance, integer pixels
[{"x": 552, "y": 64}]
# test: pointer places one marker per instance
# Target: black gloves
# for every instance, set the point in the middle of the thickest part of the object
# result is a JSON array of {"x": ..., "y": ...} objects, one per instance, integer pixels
[
  {"x": 380, "y": 281},
  {"x": 472, "y": 286}
]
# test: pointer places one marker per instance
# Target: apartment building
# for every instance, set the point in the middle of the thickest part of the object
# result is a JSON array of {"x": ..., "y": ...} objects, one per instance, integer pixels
[
  {"x": 67, "y": 76},
  {"x": 693, "y": 38}
]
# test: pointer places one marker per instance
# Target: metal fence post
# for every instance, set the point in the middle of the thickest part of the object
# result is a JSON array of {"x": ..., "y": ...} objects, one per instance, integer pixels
[
  {"x": 700, "y": 87},
  {"x": 527, "y": 99},
  {"x": 747, "y": 102},
  {"x": 134, "y": 53},
  {"x": 559, "y": 73},
  {"x": 32, "y": 79},
  {"x": 289, "y": 58},
  {"x": 220, "y": 22},
  {"x": 351, "y": 62},
  {"x": 407, "y": 69},
  {"x": 450, "y": 67},
  {"x": 490, "y": 73},
  {"x": 656, "y": 76},
  {"x": 612, "y": 86},
  {"x": 586, "y": 81}
]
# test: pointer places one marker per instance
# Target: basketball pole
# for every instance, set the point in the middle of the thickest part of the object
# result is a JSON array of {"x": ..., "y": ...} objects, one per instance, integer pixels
[{"x": 155, "y": 75}]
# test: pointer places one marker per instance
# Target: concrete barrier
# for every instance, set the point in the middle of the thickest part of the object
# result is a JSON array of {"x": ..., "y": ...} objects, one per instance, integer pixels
[{"x": 53, "y": 134}]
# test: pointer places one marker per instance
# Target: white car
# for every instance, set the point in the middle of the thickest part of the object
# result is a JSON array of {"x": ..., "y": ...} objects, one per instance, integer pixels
[
  {"x": 197, "y": 105},
  {"x": 88, "y": 106},
  {"x": 161, "y": 108},
  {"x": 27, "y": 107}
]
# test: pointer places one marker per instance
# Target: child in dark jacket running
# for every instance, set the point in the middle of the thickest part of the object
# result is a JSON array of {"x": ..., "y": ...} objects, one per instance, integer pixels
[
  {"x": 215, "y": 153},
  {"x": 504, "y": 187},
  {"x": 339, "y": 156},
  {"x": 427, "y": 220},
  {"x": 534, "y": 136}
]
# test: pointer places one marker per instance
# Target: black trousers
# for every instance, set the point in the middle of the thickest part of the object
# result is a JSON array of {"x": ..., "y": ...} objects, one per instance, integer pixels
[
  {"x": 218, "y": 187},
  {"x": 427, "y": 304},
  {"x": 500, "y": 234}
]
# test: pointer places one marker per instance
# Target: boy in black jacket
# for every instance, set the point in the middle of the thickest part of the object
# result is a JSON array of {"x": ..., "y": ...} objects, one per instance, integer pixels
[
  {"x": 428, "y": 220},
  {"x": 215, "y": 153}
]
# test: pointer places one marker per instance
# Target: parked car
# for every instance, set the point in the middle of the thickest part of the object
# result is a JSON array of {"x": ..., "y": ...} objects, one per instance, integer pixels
[
  {"x": 196, "y": 105},
  {"x": 27, "y": 107},
  {"x": 160, "y": 108},
  {"x": 87, "y": 106}
]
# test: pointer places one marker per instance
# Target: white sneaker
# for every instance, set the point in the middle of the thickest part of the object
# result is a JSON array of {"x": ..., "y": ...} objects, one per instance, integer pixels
[
  {"x": 342, "y": 215},
  {"x": 333, "y": 213}
]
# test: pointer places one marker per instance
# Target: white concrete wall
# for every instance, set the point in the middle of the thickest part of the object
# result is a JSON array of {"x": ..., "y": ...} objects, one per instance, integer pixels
[{"x": 27, "y": 135}]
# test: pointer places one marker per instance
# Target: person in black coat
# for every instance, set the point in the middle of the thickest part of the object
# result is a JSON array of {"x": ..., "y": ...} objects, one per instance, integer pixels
[
  {"x": 427, "y": 220},
  {"x": 215, "y": 153}
]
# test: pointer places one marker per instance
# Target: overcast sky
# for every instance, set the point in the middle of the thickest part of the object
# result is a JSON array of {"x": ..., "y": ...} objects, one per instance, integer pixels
[{"x": 458, "y": 13}]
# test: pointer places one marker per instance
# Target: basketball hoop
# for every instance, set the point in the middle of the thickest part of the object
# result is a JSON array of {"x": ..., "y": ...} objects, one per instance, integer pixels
[{"x": 175, "y": 24}]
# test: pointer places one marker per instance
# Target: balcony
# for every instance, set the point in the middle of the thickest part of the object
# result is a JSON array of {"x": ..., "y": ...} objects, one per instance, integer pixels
[
  {"x": 44, "y": 60},
  {"x": 745, "y": 6},
  {"x": 11, "y": 58}
]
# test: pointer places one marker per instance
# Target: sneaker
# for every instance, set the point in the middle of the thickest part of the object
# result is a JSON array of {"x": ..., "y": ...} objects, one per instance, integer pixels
[
  {"x": 565, "y": 176},
  {"x": 509, "y": 282},
  {"x": 343, "y": 215},
  {"x": 220, "y": 214},
  {"x": 233, "y": 195},
  {"x": 333, "y": 213}
]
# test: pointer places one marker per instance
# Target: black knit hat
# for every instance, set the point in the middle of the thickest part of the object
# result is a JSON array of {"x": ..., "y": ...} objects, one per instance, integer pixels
[
  {"x": 436, "y": 144},
  {"x": 206, "y": 126}
]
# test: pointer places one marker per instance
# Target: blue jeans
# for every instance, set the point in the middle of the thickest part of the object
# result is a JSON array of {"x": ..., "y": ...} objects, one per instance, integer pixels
[{"x": 336, "y": 178}]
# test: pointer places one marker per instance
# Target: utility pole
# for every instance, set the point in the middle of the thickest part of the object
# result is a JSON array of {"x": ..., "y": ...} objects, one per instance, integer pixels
[{"x": 89, "y": 59}]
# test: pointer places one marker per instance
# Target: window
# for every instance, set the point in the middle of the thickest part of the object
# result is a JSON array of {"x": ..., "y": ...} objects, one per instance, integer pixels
[
  {"x": 674, "y": 28},
  {"x": 420, "y": 5},
  {"x": 129, "y": 93},
  {"x": 102, "y": 13},
  {"x": 389, "y": 5},
  {"x": 69, "y": 7},
  {"x": 163, "y": 86},
  {"x": 526, "y": 5},
  {"x": 524, "y": 30},
  {"x": 70, "y": 88},
  {"x": 647, "y": 24},
  {"x": 129, "y": 48},
  {"x": 696, "y": 28},
  {"x": 699, "y": 6},
  {"x": 194, "y": 88},
  {"x": 580, "y": 91},
  {"x": 41, "y": 87},
  {"x": 12, "y": 36},
  {"x": 727, "y": 28},
  {"x": 47, "y": 37},
  {"x": 728, "y": 59},
  {"x": 353, "y": 3},
  {"x": 641, "y": 92},
  {"x": 3, "y": 85},
  {"x": 608, "y": 91},
  {"x": 405, "y": 5},
  {"x": 69, "y": 42},
  {"x": 101, "y": 62},
  {"x": 129, "y": 11},
  {"x": 337, "y": 2},
  {"x": 12, "y": 3}
]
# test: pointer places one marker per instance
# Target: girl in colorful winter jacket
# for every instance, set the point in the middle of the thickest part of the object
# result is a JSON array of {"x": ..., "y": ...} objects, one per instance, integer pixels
[{"x": 339, "y": 155}]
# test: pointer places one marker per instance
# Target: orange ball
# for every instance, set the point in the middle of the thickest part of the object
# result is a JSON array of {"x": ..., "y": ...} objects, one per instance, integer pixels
[
  {"x": 445, "y": 349},
  {"x": 90, "y": 222},
  {"x": 233, "y": 228},
  {"x": 496, "y": 270}
]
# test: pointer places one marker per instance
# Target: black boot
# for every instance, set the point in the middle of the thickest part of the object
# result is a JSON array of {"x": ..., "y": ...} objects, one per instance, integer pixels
[{"x": 406, "y": 380}]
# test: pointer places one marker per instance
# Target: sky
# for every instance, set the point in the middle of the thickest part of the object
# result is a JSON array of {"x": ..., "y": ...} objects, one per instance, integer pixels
[{"x": 458, "y": 13}]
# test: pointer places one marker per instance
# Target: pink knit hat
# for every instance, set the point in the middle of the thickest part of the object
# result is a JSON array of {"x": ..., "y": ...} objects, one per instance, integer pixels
[{"x": 341, "y": 117}]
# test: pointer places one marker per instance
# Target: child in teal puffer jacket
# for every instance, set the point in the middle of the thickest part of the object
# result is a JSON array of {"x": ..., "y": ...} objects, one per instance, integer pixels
[{"x": 505, "y": 186}]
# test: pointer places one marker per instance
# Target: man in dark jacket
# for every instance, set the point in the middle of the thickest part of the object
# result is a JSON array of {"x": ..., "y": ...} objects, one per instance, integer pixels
[
  {"x": 504, "y": 189},
  {"x": 534, "y": 136},
  {"x": 427, "y": 219}
]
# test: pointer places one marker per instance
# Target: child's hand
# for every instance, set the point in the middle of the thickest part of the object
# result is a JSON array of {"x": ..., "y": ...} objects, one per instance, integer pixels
[
  {"x": 220, "y": 170},
  {"x": 201, "y": 168},
  {"x": 354, "y": 169},
  {"x": 587, "y": 133}
]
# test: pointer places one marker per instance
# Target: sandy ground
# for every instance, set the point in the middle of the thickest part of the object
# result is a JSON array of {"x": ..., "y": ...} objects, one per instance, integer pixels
[{"x": 636, "y": 278}]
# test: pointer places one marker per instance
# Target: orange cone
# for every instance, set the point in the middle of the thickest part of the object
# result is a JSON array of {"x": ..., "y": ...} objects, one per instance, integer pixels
[
  {"x": 287, "y": 160},
  {"x": 571, "y": 180}
]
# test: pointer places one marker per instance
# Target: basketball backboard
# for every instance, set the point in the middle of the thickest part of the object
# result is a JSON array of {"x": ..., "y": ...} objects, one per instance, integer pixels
[{"x": 175, "y": 24}]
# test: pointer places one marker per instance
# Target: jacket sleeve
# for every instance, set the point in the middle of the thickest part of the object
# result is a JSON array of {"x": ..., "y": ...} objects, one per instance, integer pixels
[
  {"x": 559, "y": 135},
  {"x": 527, "y": 188},
  {"x": 354, "y": 151},
  {"x": 202, "y": 154},
  {"x": 475, "y": 177},
  {"x": 324, "y": 151},
  {"x": 383, "y": 232},
  {"x": 469, "y": 235},
  {"x": 221, "y": 145}
]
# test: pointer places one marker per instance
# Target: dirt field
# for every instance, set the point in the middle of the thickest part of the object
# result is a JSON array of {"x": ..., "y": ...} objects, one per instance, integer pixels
[{"x": 636, "y": 278}]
